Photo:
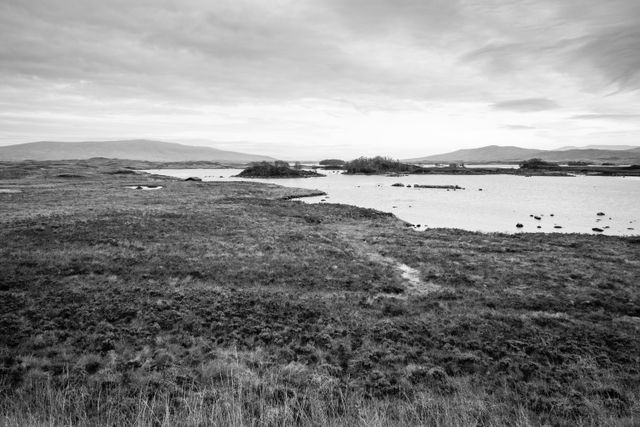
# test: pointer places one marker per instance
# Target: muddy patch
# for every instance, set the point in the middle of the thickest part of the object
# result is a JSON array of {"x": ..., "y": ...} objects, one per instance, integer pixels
[
  {"x": 411, "y": 280},
  {"x": 415, "y": 285}
]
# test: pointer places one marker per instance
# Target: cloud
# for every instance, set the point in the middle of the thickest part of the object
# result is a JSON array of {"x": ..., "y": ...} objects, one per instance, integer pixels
[
  {"x": 526, "y": 105},
  {"x": 593, "y": 42},
  {"x": 606, "y": 117},
  {"x": 250, "y": 70},
  {"x": 519, "y": 127}
]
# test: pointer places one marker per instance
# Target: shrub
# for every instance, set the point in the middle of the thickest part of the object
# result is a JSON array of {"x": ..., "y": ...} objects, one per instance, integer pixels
[
  {"x": 277, "y": 169},
  {"x": 332, "y": 162},
  {"x": 371, "y": 165}
]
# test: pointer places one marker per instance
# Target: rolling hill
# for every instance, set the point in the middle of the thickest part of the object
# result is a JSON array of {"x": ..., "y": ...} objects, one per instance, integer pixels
[
  {"x": 137, "y": 149},
  {"x": 491, "y": 153},
  {"x": 495, "y": 153},
  {"x": 597, "y": 147},
  {"x": 592, "y": 155}
]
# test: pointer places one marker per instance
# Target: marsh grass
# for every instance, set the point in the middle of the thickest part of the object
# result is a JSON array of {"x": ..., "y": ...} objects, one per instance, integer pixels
[{"x": 233, "y": 395}]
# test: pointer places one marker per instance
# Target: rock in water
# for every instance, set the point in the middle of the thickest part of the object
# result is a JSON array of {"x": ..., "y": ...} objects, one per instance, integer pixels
[{"x": 518, "y": 225}]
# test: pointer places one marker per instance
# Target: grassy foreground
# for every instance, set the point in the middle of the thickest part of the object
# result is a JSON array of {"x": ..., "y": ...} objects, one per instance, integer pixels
[{"x": 223, "y": 304}]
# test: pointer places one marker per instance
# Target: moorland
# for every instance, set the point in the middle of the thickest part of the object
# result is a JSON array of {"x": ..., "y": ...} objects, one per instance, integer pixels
[{"x": 224, "y": 303}]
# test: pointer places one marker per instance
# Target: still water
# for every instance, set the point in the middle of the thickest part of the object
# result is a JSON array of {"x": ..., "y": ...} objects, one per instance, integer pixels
[{"x": 488, "y": 202}]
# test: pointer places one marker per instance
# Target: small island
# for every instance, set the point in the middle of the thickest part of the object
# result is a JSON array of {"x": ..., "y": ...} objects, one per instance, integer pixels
[
  {"x": 378, "y": 165},
  {"x": 277, "y": 169}
]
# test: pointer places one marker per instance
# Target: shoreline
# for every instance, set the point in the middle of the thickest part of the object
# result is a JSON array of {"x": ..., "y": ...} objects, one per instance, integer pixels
[{"x": 512, "y": 229}]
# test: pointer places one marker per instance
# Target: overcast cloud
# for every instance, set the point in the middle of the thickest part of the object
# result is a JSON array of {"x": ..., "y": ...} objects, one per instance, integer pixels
[{"x": 309, "y": 79}]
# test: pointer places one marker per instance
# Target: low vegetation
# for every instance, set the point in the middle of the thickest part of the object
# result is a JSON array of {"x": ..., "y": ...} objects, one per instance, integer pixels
[
  {"x": 220, "y": 303},
  {"x": 276, "y": 169}
]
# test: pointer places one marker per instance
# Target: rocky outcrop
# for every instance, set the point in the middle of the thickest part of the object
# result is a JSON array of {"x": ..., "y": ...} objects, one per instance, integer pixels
[{"x": 442, "y": 187}]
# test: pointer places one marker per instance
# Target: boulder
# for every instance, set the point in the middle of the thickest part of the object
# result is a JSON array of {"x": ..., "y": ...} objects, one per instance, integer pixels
[
  {"x": 597, "y": 230},
  {"x": 397, "y": 184},
  {"x": 519, "y": 225}
]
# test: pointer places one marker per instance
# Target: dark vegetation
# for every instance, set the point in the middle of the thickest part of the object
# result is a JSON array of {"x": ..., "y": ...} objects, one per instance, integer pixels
[
  {"x": 538, "y": 164},
  {"x": 277, "y": 169},
  {"x": 332, "y": 162},
  {"x": 377, "y": 165},
  {"x": 208, "y": 303}
]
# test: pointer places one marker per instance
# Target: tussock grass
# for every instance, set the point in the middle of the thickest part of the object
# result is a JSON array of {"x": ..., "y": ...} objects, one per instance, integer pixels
[{"x": 233, "y": 395}]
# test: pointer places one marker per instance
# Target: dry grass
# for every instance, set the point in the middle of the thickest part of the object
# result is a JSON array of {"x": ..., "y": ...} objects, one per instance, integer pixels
[{"x": 235, "y": 395}]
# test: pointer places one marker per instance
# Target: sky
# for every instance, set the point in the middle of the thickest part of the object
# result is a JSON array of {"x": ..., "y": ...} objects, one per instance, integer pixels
[{"x": 310, "y": 79}]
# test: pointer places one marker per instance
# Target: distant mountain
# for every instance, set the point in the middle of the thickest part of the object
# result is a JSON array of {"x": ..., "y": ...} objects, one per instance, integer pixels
[
  {"x": 598, "y": 147},
  {"x": 591, "y": 155},
  {"x": 491, "y": 153},
  {"x": 137, "y": 149},
  {"x": 495, "y": 153}
]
